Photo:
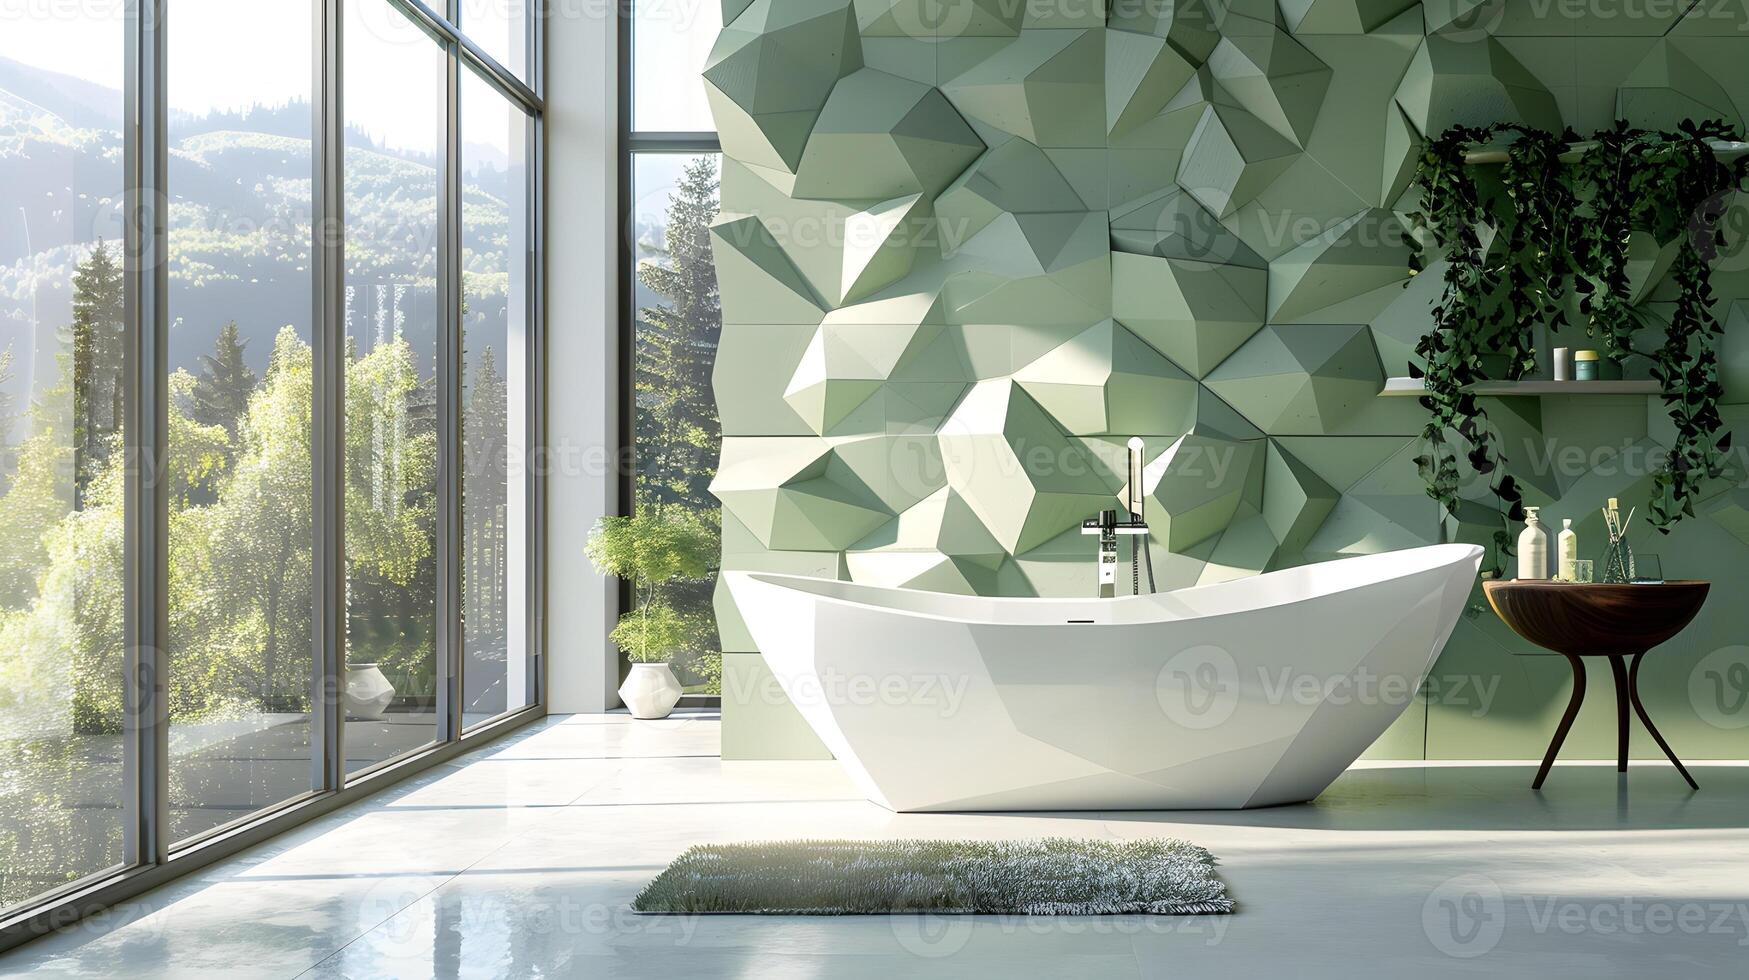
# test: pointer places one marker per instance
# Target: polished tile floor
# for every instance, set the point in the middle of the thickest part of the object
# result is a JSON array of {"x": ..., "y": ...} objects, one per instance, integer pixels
[{"x": 520, "y": 859}]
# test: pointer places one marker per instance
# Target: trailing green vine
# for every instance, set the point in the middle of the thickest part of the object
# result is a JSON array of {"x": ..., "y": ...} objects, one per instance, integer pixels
[{"x": 1553, "y": 221}]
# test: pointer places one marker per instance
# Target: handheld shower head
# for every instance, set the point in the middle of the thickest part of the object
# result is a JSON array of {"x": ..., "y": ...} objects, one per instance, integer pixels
[{"x": 1136, "y": 493}]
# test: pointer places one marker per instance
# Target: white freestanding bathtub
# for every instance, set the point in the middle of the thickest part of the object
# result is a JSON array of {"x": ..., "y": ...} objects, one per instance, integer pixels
[{"x": 1249, "y": 693}]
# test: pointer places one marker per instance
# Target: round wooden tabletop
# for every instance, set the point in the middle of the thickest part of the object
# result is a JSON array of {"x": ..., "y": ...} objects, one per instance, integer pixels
[{"x": 1596, "y": 618}]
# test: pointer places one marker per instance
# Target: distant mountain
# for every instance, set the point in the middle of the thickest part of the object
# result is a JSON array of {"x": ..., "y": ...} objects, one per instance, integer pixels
[
  {"x": 239, "y": 225},
  {"x": 82, "y": 104}
]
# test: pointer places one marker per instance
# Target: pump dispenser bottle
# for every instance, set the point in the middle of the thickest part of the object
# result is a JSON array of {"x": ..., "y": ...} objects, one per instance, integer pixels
[{"x": 1533, "y": 548}]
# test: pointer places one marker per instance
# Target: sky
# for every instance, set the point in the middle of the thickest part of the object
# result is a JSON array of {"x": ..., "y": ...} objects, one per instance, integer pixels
[
  {"x": 670, "y": 41},
  {"x": 233, "y": 54}
]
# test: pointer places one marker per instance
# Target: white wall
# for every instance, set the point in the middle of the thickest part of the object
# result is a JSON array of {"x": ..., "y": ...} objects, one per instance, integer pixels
[{"x": 582, "y": 262}]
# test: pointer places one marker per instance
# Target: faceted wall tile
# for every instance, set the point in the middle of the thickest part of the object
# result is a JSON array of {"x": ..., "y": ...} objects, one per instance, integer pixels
[
  {"x": 1013, "y": 176},
  {"x": 757, "y": 280},
  {"x": 1270, "y": 75},
  {"x": 772, "y": 69},
  {"x": 1037, "y": 87},
  {"x": 932, "y": 18},
  {"x": 1172, "y": 225},
  {"x": 1032, "y": 269},
  {"x": 879, "y": 137},
  {"x": 793, "y": 495},
  {"x": 1196, "y": 486},
  {"x": 1301, "y": 380},
  {"x": 755, "y": 362},
  {"x": 1295, "y": 499},
  {"x": 1342, "y": 16},
  {"x": 1341, "y": 274},
  {"x": 881, "y": 242},
  {"x": 1194, "y": 312},
  {"x": 1142, "y": 74},
  {"x": 1668, "y": 87},
  {"x": 1107, "y": 380},
  {"x": 1472, "y": 82},
  {"x": 1024, "y": 477},
  {"x": 1188, "y": 25},
  {"x": 1231, "y": 157}
]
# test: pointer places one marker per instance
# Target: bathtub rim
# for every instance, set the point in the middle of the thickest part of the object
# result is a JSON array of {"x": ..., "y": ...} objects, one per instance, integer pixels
[{"x": 1450, "y": 555}]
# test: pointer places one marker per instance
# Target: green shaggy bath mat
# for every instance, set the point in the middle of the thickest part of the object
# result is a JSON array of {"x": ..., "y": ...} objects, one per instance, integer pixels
[{"x": 1054, "y": 876}]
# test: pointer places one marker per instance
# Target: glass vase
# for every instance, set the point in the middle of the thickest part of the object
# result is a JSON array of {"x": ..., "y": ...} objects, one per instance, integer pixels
[{"x": 1618, "y": 561}]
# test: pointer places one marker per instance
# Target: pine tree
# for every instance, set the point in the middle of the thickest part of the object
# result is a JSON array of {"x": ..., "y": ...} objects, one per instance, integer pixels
[
  {"x": 98, "y": 361},
  {"x": 677, "y": 429},
  {"x": 221, "y": 393}
]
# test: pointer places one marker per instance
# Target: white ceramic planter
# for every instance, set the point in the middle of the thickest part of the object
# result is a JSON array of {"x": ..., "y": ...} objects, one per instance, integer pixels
[
  {"x": 651, "y": 691},
  {"x": 368, "y": 692}
]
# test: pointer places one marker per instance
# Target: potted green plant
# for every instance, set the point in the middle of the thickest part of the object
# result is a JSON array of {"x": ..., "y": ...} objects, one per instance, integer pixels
[{"x": 653, "y": 549}]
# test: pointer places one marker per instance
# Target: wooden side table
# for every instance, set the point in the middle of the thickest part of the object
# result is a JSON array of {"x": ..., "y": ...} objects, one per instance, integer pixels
[{"x": 1621, "y": 622}]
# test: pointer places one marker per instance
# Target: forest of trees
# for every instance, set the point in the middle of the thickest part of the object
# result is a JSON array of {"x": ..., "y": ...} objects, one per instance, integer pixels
[
  {"x": 239, "y": 482},
  {"x": 677, "y": 432}
]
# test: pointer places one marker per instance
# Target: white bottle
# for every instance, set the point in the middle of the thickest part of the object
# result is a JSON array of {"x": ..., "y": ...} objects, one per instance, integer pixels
[
  {"x": 1567, "y": 550},
  {"x": 1533, "y": 547}
]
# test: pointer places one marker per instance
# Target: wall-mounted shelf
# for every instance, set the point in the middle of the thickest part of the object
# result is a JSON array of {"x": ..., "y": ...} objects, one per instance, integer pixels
[
  {"x": 1414, "y": 387},
  {"x": 1484, "y": 154}
]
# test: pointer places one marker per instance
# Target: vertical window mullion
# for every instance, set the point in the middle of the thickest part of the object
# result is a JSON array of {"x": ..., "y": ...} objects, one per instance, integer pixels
[
  {"x": 534, "y": 408},
  {"x": 328, "y": 446},
  {"x": 449, "y": 406},
  {"x": 146, "y": 520}
]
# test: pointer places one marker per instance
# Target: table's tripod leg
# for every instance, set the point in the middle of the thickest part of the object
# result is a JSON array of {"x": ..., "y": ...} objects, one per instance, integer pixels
[
  {"x": 1620, "y": 671},
  {"x": 1573, "y": 702},
  {"x": 1645, "y": 719}
]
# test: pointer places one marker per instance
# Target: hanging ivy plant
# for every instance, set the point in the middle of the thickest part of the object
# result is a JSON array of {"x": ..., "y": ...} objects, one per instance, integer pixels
[{"x": 1561, "y": 221}]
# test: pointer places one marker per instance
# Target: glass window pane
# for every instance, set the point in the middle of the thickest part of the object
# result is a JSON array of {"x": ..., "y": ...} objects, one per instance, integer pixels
[
  {"x": 678, "y": 324},
  {"x": 240, "y": 464},
  {"x": 495, "y": 253},
  {"x": 500, "y": 28},
  {"x": 394, "y": 142},
  {"x": 62, "y": 335},
  {"x": 670, "y": 41}
]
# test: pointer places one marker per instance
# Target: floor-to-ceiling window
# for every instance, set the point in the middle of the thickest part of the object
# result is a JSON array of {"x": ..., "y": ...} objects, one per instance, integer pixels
[
  {"x": 238, "y": 83},
  {"x": 672, "y": 170},
  {"x": 63, "y": 398},
  {"x": 496, "y": 265},
  {"x": 395, "y": 119},
  {"x": 269, "y": 340}
]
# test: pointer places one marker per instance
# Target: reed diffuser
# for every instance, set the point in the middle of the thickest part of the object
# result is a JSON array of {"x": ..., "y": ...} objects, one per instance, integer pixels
[{"x": 1618, "y": 558}]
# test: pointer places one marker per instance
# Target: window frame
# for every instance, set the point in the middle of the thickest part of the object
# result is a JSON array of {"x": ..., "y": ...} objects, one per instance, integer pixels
[
  {"x": 150, "y": 857},
  {"x": 633, "y": 142}
]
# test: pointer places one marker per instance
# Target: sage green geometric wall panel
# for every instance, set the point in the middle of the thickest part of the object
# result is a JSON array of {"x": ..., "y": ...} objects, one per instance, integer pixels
[
  {"x": 1667, "y": 82},
  {"x": 1193, "y": 311},
  {"x": 771, "y": 71},
  {"x": 1473, "y": 82},
  {"x": 1038, "y": 88},
  {"x": 880, "y": 136},
  {"x": 1107, "y": 380},
  {"x": 1342, "y": 16},
  {"x": 1271, "y": 75},
  {"x": 1341, "y": 274},
  {"x": 1301, "y": 379},
  {"x": 968, "y": 248}
]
